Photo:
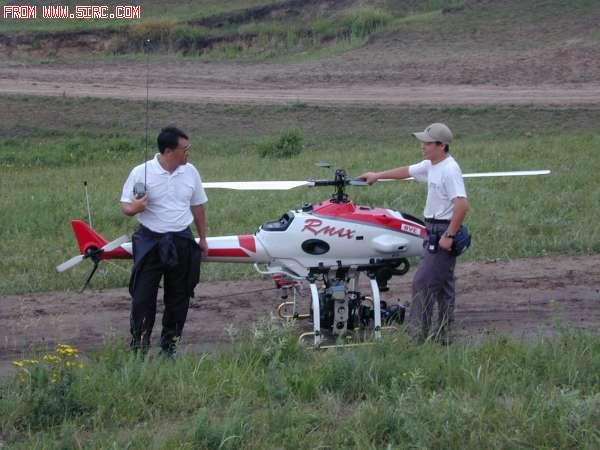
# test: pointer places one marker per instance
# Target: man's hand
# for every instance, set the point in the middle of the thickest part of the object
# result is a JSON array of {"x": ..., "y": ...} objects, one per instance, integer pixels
[
  {"x": 203, "y": 246},
  {"x": 461, "y": 207},
  {"x": 136, "y": 206},
  {"x": 139, "y": 204},
  {"x": 398, "y": 173},
  {"x": 370, "y": 177},
  {"x": 446, "y": 243}
]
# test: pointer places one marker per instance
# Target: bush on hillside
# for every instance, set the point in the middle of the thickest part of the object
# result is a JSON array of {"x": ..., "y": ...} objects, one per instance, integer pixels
[{"x": 289, "y": 143}]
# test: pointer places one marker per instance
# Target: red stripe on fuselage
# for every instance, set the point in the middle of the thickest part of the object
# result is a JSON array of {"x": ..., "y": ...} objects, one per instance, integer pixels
[
  {"x": 247, "y": 242},
  {"x": 227, "y": 252},
  {"x": 367, "y": 215}
]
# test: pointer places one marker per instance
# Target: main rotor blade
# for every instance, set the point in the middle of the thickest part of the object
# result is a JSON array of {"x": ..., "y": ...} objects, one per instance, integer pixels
[
  {"x": 517, "y": 173},
  {"x": 70, "y": 263},
  {"x": 286, "y": 185},
  {"x": 257, "y": 185},
  {"x": 115, "y": 244}
]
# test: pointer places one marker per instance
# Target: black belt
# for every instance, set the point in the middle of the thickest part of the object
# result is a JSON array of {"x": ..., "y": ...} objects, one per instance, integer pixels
[{"x": 447, "y": 222}]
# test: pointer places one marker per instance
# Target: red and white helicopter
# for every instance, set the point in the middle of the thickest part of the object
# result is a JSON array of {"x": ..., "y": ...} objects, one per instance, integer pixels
[{"x": 330, "y": 243}]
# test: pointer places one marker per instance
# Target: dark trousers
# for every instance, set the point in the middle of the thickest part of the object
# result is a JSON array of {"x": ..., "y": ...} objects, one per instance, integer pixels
[
  {"x": 176, "y": 297},
  {"x": 434, "y": 283}
]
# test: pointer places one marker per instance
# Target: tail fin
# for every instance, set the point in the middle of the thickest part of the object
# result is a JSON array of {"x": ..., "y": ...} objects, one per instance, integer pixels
[{"x": 86, "y": 236}]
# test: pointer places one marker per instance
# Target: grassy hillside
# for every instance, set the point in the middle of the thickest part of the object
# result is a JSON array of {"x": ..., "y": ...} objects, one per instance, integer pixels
[{"x": 411, "y": 34}]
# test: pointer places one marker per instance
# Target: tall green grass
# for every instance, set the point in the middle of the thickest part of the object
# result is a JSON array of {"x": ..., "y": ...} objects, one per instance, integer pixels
[
  {"x": 173, "y": 29},
  {"x": 43, "y": 167},
  {"x": 265, "y": 391},
  {"x": 270, "y": 38}
]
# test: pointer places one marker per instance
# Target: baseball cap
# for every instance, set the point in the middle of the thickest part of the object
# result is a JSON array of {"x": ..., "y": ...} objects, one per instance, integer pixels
[{"x": 436, "y": 132}]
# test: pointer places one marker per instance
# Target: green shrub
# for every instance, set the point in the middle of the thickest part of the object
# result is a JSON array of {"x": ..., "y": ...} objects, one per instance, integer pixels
[
  {"x": 365, "y": 21},
  {"x": 289, "y": 143}
]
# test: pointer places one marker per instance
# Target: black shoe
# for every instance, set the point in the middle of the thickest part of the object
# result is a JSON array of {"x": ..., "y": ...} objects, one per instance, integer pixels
[
  {"x": 168, "y": 352},
  {"x": 140, "y": 344},
  {"x": 168, "y": 344}
]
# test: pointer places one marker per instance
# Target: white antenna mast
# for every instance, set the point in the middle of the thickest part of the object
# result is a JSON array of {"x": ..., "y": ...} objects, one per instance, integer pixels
[
  {"x": 87, "y": 202},
  {"x": 139, "y": 190}
]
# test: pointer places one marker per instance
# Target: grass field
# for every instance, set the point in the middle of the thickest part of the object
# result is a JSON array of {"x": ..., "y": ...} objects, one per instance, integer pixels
[
  {"x": 44, "y": 161},
  {"x": 265, "y": 391}
]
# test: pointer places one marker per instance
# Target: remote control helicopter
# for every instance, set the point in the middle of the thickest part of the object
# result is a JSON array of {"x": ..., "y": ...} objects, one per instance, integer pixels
[{"x": 329, "y": 245}]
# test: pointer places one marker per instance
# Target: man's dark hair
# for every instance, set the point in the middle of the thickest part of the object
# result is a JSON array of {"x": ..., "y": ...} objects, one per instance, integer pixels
[
  {"x": 446, "y": 146},
  {"x": 169, "y": 138}
]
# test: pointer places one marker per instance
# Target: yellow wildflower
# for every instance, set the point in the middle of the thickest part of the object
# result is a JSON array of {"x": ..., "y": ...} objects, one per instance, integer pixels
[
  {"x": 66, "y": 350},
  {"x": 71, "y": 364},
  {"x": 51, "y": 359},
  {"x": 19, "y": 364}
]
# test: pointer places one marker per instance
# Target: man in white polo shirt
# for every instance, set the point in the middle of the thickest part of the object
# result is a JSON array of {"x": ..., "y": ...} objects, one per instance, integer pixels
[
  {"x": 163, "y": 245},
  {"x": 445, "y": 210}
]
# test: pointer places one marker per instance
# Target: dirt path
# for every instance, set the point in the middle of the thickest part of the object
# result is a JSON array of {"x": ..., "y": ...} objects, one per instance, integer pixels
[
  {"x": 325, "y": 95},
  {"x": 269, "y": 84},
  {"x": 519, "y": 297}
]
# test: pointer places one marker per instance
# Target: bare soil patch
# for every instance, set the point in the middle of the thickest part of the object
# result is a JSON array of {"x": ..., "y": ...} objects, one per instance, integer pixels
[
  {"x": 256, "y": 84},
  {"x": 383, "y": 73},
  {"x": 521, "y": 298}
]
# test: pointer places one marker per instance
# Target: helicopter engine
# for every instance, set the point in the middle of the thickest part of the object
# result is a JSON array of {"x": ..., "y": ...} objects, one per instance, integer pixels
[{"x": 344, "y": 310}]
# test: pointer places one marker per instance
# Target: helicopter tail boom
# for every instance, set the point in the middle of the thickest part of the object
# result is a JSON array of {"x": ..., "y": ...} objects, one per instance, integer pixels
[{"x": 243, "y": 249}]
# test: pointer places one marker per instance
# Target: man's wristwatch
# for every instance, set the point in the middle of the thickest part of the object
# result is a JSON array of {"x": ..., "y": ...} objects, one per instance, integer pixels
[{"x": 448, "y": 235}]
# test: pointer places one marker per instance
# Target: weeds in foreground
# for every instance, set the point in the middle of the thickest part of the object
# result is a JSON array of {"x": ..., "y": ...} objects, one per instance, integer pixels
[
  {"x": 266, "y": 391},
  {"x": 45, "y": 385}
]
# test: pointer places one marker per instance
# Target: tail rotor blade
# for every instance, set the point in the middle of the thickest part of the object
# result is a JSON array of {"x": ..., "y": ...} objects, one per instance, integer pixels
[
  {"x": 115, "y": 244},
  {"x": 70, "y": 263},
  {"x": 106, "y": 248}
]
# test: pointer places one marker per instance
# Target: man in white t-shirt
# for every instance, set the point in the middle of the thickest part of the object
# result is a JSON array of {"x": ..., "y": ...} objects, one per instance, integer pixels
[
  {"x": 445, "y": 211},
  {"x": 163, "y": 245}
]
